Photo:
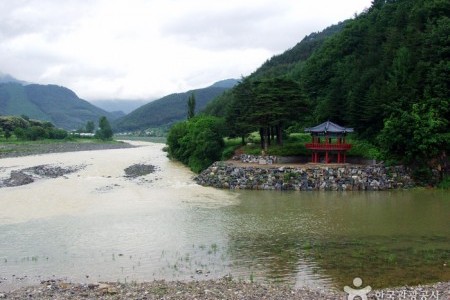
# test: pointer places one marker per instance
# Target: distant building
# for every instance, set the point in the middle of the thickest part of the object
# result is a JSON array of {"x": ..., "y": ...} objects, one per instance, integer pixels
[{"x": 328, "y": 142}]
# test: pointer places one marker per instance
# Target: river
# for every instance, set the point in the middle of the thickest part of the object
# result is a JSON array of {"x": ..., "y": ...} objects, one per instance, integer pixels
[{"x": 97, "y": 225}]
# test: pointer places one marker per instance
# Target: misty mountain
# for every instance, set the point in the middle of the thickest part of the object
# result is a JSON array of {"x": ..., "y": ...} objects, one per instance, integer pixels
[
  {"x": 171, "y": 108},
  {"x": 116, "y": 105},
  {"x": 6, "y": 78},
  {"x": 53, "y": 103}
]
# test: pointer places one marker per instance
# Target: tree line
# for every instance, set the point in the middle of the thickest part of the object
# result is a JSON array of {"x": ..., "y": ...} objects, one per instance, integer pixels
[{"x": 24, "y": 128}]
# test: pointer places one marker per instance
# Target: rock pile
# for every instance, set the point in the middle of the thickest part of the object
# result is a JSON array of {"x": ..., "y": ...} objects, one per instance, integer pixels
[
  {"x": 307, "y": 178},
  {"x": 258, "y": 159},
  {"x": 138, "y": 170},
  {"x": 29, "y": 175}
]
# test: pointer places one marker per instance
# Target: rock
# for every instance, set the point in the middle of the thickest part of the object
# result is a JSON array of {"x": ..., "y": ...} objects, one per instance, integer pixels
[
  {"x": 103, "y": 286},
  {"x": 229, "y": 176}
]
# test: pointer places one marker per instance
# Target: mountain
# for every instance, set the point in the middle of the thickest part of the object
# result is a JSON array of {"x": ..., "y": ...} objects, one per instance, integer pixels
[
  {"x": 171, "y": 108},
  {"x": 116, "y": 105},
  {"x": 280, "y": 65},
  {"x": 53, "y": 103},
  {"x": 227, "y": 83},
  {"x": 6, "y": 78}
]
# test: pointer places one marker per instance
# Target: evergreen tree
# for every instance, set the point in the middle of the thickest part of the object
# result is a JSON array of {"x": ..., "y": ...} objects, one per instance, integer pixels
[
  {"x": 105, "y": 131},
  {"x": 191, "y": 106}
]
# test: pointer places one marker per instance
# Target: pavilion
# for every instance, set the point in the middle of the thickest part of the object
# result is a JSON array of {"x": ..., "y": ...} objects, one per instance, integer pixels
[{"x": 328, "y": 141}]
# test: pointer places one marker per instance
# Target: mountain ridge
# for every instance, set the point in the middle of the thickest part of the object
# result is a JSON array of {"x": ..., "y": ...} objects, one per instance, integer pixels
[
  {"x": 171, "y": 108},
  {"x": 52, "y": 103}
]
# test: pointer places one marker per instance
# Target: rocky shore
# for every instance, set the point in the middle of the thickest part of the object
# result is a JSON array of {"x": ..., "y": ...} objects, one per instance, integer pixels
[
  {"x": 308, "y": 177},
  {"x": 30, "y": 175},
  {"x": 212, "y": 289},
  {"x": 34, "y": 148}
]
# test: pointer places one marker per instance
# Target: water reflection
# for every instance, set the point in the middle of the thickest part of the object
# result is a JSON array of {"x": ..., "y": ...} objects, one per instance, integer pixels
[{"x": 392, "y": 238}]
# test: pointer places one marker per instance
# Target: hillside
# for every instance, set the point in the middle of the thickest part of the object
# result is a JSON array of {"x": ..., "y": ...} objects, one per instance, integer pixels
[
  {"x": 280, "y": 65},
  {"x": 385, "y": 73},
  {"x": 170, "y": 109},
  {"x": 56, "y": 104}
]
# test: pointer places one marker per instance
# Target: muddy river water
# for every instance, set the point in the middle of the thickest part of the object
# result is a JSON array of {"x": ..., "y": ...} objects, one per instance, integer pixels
[{"x": 98, "y": 225}]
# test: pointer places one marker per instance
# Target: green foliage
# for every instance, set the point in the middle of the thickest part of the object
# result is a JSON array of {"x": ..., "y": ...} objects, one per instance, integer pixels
[
  {"x": 198, "y": 142},
  {"x": 230, "y": 146},
  {"x": 363, "y": 148},
  {"x": 36, "y": 133},
  {"x": 266, "y": 105},
  {"x": 191, "y": 106},
  {"x": 90, "y": 126},
  {"x": 104, "y": 132},
  {"x": 29, "y": 129},
  {"x": 445, "y": 183},
  {"x": 7, "y": 134},
  {"x": 57, "y": 134},
  {"x": 416, "y": 136}
]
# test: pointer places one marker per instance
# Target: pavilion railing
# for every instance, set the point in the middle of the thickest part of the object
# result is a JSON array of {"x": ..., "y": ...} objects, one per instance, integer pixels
[{"x": 325, "y": 146}]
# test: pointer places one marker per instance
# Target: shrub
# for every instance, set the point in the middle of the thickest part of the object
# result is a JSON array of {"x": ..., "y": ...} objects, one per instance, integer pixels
[{"x": 57, "y": 134}]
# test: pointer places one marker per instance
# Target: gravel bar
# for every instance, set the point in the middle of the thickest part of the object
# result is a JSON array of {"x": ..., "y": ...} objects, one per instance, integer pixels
[
  {"x": 212, "y": 289},
  {"x": 17, "y": 150}
]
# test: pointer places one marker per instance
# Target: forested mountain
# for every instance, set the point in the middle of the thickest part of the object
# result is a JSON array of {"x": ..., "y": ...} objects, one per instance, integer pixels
[
  {"x": 53, "y": 103},
  {"x": 385, "y": 73},
  {"x": 171, "y": 108}
]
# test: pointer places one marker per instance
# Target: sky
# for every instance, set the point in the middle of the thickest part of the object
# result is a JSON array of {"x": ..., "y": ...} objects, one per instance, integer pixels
[{"x": 146, "y": 49}]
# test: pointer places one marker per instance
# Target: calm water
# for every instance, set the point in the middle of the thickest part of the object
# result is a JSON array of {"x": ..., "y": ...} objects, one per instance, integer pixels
[{"x": 96, "y": 225}]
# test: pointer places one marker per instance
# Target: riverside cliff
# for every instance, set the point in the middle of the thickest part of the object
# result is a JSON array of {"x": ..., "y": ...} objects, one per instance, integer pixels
[{"x": 227, "y": 175}]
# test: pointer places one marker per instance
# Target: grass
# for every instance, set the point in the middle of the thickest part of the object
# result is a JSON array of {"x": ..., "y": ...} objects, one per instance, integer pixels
[
  {"x": 231, "y": 145},
  {"x": 445, "y": 183},
  {"x": 294, "y": 145}
]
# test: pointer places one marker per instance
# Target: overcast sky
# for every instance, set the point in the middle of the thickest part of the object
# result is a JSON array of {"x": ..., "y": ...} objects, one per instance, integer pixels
[{"x": 145, "y": 49}]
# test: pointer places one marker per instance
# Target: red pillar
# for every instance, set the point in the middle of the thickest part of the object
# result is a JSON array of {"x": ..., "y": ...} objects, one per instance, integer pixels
[
  {"x": 339, "y": 157},
  {"x": 326, "y": 157}
]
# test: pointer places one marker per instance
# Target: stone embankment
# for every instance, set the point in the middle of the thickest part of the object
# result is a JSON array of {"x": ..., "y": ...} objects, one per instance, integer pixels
[{"x": 305, "y": 177}]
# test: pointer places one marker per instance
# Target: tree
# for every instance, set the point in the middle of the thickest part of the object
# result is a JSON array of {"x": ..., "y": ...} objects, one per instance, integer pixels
[
  {"x": 417, "y": 137},
  {"x": 191, "y": 106},
  {"x": 197, "y": 142},
  {"x": 105, "y": 131},
  {"x": 90, "y": 126},
  {"x": 7, "y": 134}
]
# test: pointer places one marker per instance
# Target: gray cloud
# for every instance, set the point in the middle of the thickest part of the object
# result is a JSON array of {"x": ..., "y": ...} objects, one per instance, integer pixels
[{"x": 149, "y": 48}]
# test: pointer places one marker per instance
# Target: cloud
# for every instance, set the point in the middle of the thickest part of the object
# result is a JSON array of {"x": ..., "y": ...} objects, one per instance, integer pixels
[{"x": 150, "y": 48}]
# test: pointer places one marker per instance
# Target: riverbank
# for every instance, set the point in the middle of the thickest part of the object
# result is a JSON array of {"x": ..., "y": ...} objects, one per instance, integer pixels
[
  {"x": 45, "y": 147},
  {"x": 307, "y": 177},
  {"x": 211, "y": 289}
]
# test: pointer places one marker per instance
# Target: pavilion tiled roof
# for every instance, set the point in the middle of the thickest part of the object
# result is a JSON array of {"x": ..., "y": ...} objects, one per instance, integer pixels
[{"x": 330, "y": 127}]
